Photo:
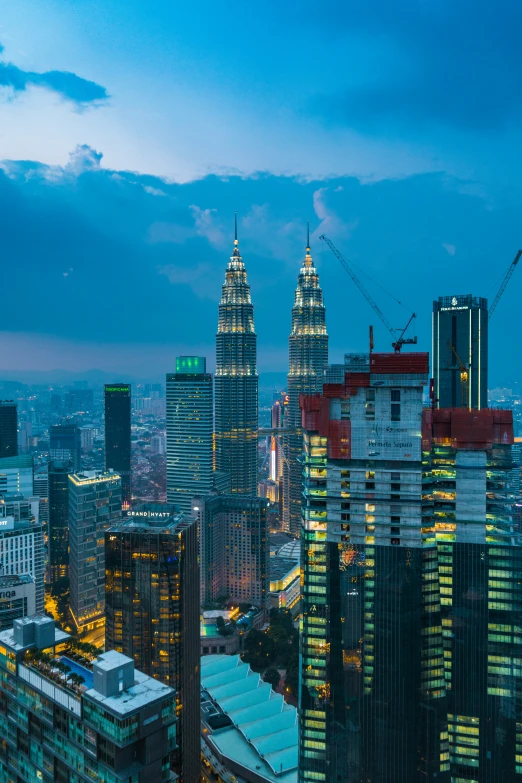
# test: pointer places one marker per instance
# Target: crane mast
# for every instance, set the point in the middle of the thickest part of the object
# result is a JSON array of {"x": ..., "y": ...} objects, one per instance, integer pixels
[{"x": 398, "y": 341}]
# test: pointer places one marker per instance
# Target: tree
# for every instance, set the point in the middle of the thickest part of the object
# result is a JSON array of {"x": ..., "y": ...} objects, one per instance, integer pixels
[
  {"x": 272, "y": 676},
  {"x": 259, "y": 650}
]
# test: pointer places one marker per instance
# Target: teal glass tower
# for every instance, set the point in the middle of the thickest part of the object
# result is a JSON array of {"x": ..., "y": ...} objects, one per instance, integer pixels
[
  {"x": 189, "y": 431},
  {"x": 236, "y": 381}
]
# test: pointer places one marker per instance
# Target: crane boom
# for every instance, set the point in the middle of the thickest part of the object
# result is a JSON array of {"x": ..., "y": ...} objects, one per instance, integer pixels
[
  {"x": 398, "y": 342},
  {"x": 504, "y": 283},
  {"x": 358, "y": 283}
]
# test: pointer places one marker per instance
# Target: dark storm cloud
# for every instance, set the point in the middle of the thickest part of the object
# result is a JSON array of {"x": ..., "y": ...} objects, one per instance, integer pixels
[
  {"x": 426, "y": 63},
  {"x": 80, "y": 91}
]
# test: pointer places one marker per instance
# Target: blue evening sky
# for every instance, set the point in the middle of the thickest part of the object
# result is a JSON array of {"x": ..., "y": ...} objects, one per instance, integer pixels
[{"x": 131, "y": 131}]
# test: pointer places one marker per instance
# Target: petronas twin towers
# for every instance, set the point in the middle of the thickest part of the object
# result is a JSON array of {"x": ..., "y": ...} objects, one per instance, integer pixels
[{"x": 236, "y": 382}]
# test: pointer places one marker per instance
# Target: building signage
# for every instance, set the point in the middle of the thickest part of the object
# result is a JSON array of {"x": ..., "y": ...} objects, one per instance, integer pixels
[
  {"x": 151, "y": 514},
  {"x": 7, "y": 594},
  {"x": 462, "y": 307},
  {"x": 117, "y": 388},
  {"x": 386, "y": 441}
]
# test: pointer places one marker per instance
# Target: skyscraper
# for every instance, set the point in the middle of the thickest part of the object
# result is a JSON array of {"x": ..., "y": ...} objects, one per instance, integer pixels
[
  {"x": 234, "y": 548},
  {"x": 308, "y": 357},
  {"x": 118, "y": 436},
  {"x": 58, "y": 539},
  {"x": 460, "y": 351},
  {"x": 8, "y": 429},
  {"x": 22, "y": 541},
  {"x": 372, "y": 700},
  {"x": 236, "y": 407},
  {"x": 152, "y": 602},
  {"x": 468, "y": 507},
  {"x": 94, "y": 505},
  {"x": 65, "y": 445},
  {"x": 189, "y": 431}
]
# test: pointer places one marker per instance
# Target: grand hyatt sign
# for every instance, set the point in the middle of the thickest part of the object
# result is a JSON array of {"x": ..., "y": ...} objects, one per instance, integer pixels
[{"x": 151, "y": 514}]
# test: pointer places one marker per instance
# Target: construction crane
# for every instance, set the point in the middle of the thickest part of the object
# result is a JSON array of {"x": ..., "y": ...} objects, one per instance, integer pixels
[
  {"x": 464, "y": 376},
  {"x": 504, "y": 284},
  {"x": 398, "y": 341}
]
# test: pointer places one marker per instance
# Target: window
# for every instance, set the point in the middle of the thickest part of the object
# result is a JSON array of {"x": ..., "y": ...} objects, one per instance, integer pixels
[
  {"x": 395, "y": 530},
  {"x": 370, "y": 485},
  {"x": 345, "y": 517},
  {"x": 396, "y": 541},
  {"x": 395, "y": 487},
  {"x": 395, "y": 520},
  {"x": 395, "y": 412},
  {"x": 395, "y": 395}
]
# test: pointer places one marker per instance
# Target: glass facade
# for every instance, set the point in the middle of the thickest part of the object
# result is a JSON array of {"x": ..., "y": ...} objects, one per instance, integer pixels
[
  {"x": 8, "y": 429},
  {"x": 411, "y": 579},
  {"x": 58, "y": 540},
  {"x": 189, "y": 431},
  {"x": 94, "y": 505},
  {"x": 65, "y": 445},
  {"x": 152, "y": 610},
  {"x": 118, "y": 436},
  {"x": 460, "y": 326}
]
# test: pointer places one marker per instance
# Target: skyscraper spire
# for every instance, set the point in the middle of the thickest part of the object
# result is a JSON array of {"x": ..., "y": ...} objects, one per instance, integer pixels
[
  {"x": 236, "y": 380},
  {"x": 308, "y": 356}
]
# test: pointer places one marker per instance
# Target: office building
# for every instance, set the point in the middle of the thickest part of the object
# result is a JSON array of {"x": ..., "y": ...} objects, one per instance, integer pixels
[
  {"x": 372, "y": 700},
  {"x": 8, "y": 429},
  {"x": 16, "y": 475},
  {"x": 278, "y": 420},
  {"x": 101, "y": 721},
  {"x": 158, "y": 445},
  {"x": 234, "y": 548},
  {"x": 118, "y": 436},
  {"x": 468, "y": 509},
  {"x": 460, "y": 352},
  {"x": 41, "y": 490},
  {"x": 65, "y": 445},
  {"x": 94, "y": 505},
  {"x": 58, "y": 530},
  {"x": 189, "y": 431},
  {"x": 22, "y": 542},
  {"x": 152, "y": 605},
  {"x": 236, "y": 406},
  {"x": 17, "y": 598},
  {"x": 308, "y": 357}
]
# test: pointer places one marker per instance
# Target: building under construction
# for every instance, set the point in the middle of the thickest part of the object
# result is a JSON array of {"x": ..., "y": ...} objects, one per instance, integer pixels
[{"x": 411, "y": 583}]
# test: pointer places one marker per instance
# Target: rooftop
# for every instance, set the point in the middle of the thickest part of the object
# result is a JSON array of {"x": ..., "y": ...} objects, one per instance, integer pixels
[
  {"x": 144, "y": 691},
  {"x": 292, "y": 549},
  {"x": 7, "y": 638},
  {"x": 160, "y": 516},
  {"x": 263, "y": 734},
  {"x": 15, "y": 580},
  {"x": 283, "y": 570}
]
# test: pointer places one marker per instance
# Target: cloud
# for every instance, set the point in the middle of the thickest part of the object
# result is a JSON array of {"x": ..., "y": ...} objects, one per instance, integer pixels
[
  {"x": 83, "y": 158},
  {"x": 207, "y": 225},
  {"x": 450, "y": 249},
  {"x": 69, "y": 86},
  {"x": 426, "y": 65}
]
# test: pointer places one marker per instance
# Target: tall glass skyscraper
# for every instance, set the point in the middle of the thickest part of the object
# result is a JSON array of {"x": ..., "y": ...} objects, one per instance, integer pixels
[
  {"x": 236, "y": 408},
  {"x": 8, "y": 429},
  {"x": 65, "y": 445},
  {"x": 460, "y": 342},
  {"x": 152, "y": 580},
  {"x": 58, "y": 537},
  {"x": 118, "y": 436},
  {"x": 189, "y": 431},
  {"x": 308, "y": 357}
]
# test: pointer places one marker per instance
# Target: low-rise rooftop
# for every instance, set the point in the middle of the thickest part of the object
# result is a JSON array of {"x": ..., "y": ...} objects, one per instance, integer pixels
[
  {"x": 144, "y": 691},
  {"x": 261, "y": 734}
]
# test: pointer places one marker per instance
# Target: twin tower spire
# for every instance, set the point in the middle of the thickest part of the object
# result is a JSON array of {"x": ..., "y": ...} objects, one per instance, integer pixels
[{"x": 236, "y": 380}]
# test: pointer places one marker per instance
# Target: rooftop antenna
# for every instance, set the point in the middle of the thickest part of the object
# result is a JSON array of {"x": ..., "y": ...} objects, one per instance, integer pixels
[{"x": 235, "y": 228}]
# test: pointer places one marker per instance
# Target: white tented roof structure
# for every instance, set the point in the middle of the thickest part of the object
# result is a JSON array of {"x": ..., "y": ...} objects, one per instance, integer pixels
[{"x": 263, "y": 735}]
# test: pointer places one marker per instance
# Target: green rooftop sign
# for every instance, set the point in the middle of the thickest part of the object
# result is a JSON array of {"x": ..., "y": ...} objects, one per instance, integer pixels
[
  {"x": 117, "y": 389},
  {"x": 191, "y": 364}
]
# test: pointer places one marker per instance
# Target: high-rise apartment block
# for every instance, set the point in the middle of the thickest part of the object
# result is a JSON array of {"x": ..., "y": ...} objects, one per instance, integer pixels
[
  {"x": 22, "y": 541},
  {"x": 41, "y": 490},
  {"x": 103, "y": 721},
  {"x": 118, "y": 436},
  {"x": 94, "y": 505},
  {"x": 8, "y": 429},
  {"x": 58, "y": 530},
  {"x": 65, "y": 445},
  {"x": 308, "y": 357},
  {"x": 152, "y": 604},
  {"x": 189, "y": 431},
  {"x": 236, "y": 404},
  {"x": 234, "y": 548},
  {"x": 460, "y": 352}
]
